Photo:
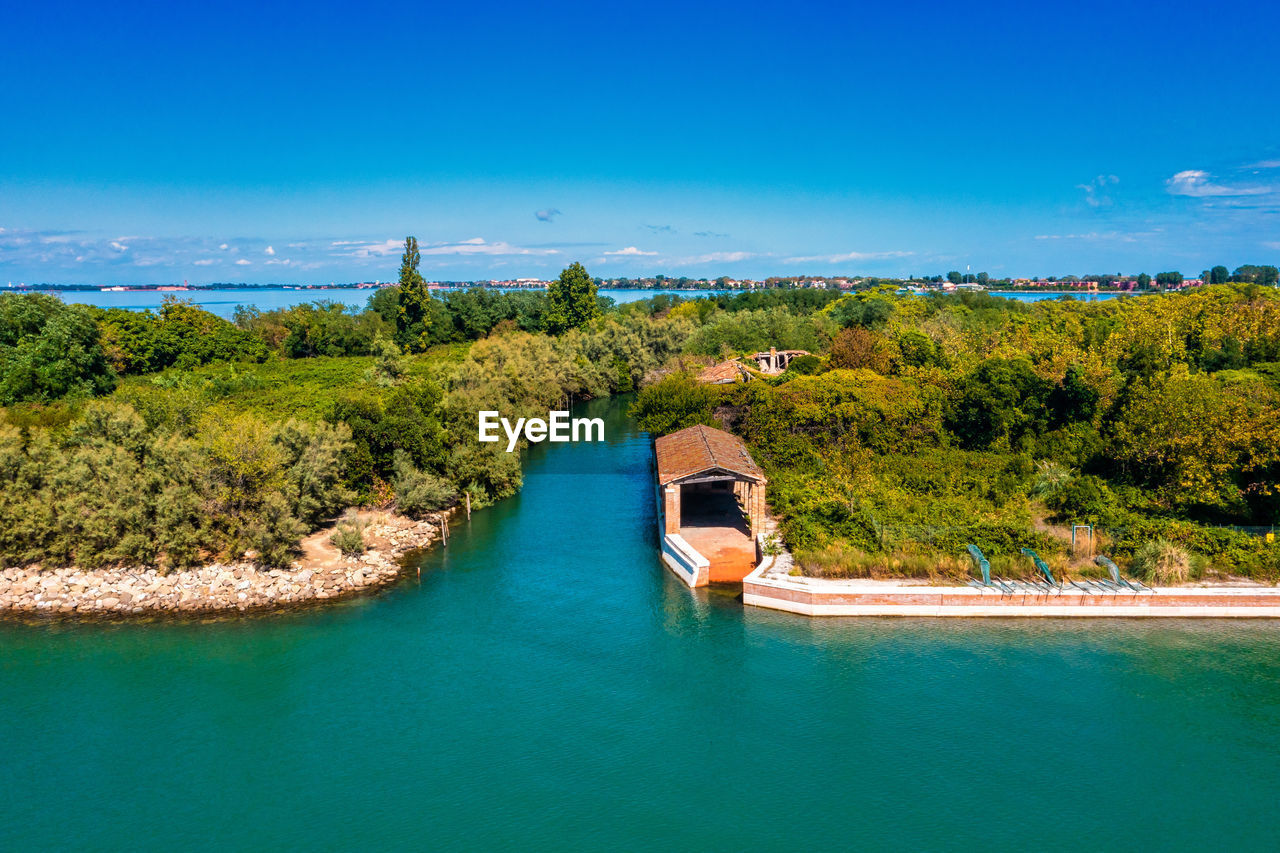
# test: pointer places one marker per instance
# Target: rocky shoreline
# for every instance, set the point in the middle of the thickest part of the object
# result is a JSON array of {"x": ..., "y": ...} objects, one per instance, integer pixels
[{"x": 322, "y": 574}]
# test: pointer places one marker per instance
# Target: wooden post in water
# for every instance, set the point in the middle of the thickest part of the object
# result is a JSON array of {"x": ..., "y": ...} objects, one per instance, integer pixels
[
  {"x": 444, "y": 531},
  {"x": 468, "y": 506}
]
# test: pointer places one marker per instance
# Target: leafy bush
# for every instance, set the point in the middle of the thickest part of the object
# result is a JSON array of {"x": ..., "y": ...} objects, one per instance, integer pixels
[
  {"x": 805, "y": 365},
  {"x": 1085, "y": 499},
  {"x": 1162, "y": 563},
  {"x": 179, "y": 335},
  {"x": 111, "y": 490},
  {"x": 348, "y": 537},
  {"x": 861, "y": 348},
  {"x": 1050, "y": 478},
  {"x": 329, "y": 328},
  {"x": 999, "y": 404},
  {"x": 755, "y": 331},
  {"x": 419, "y": 492},
  {"x": 49, "y": 350},
  {"x": 674, "y": 403}
]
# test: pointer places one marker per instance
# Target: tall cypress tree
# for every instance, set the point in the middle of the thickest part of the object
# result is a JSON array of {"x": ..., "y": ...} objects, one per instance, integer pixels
[{"x": 412, "y": 323}]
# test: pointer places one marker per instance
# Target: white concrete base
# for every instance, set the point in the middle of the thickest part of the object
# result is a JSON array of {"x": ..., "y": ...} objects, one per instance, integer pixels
[
  {"x": 1019, "y": 611},
  {"x": 768, "y": 587},
  {"x": 684, "y": 561}
]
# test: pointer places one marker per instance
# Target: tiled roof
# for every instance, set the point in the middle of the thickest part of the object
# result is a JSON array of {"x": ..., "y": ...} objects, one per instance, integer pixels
[
  {"x": 728, "y": 371},
  {"x": 701, "y": 448}
]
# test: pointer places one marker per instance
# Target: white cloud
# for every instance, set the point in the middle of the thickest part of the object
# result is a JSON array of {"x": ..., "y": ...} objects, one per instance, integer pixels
[
  {"x": 204, "y": 262},
  {"x": 1197, "y": 183},
  {"x": 716, "y": 258},
  {"x": 478, "y": 246},
  {"x": 630, "y": 251},
  {"x": 363, "y": 249},
  {"x": 1096, "y": 236},
  {"x": 1264, "y": 164},
  {"x": 1095, "y": 192},
  {"x": 269, "y": 250},
  {"x": 243, "y": 262},
  {"x": 846, "y": 257},
  {"x": 546, "y": 215},
  {"x": 118, "y": 246},
  {"x": 224, "y": 247},
  {"x": 367, "y": 249}
]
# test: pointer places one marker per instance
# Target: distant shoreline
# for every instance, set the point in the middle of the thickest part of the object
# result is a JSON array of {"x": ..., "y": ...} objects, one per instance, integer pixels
[{"x": 169, "y": 288}]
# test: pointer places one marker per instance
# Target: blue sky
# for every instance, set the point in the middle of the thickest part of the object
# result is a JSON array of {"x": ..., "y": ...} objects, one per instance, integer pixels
[{"x": 265, "y": 143}]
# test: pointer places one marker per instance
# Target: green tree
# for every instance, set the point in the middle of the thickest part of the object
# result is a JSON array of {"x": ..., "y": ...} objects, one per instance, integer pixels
[
  {"x": 413, "y": 317},
  {"x": 998, "y": 404},
  {"x": 1256, "y": 274},
  {"x": 572, "y": 300},
  {"x": 1219, "y": 275},
  {"x": 49, "y": 350},
  {"x": 419, "y": 492},
  {"x": 1144, "y": 281},
  {"x": 1168, "y": 279},
  {"x": 389, "y": 370},
  {"x": 954, "y": 277}
]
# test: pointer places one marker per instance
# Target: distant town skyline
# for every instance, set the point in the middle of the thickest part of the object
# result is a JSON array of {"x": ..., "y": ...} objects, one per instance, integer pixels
[{"x": 252, "y": 144}]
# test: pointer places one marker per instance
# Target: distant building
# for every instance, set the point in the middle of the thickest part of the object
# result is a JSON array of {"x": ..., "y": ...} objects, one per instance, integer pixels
[
  {"x": 725, "y": 373},
  {"x": 775, "y": 361}
]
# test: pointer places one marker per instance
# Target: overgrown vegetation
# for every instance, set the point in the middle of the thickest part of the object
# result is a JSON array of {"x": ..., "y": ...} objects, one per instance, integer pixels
[
  {"x": 938, "y": 421},
  {"x": 917, "y": 425},
  {"x": 220, "y": 440}
]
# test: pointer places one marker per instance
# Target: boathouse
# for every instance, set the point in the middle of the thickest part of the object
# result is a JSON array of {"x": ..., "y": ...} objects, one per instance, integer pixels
[{"x": 711, "y": 498}]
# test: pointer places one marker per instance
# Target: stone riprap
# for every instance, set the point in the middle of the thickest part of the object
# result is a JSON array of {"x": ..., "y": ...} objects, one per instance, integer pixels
[{"x": 322, "y": 574}]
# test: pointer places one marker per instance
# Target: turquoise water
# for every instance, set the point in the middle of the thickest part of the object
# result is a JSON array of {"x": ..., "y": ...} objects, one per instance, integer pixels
[
  {"x": 547, "y": 685},
  {"x": 223, "y": 301}
]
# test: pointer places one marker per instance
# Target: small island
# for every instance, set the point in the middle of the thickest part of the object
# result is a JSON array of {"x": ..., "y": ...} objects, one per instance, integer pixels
[{"x": 171, "y": 460}]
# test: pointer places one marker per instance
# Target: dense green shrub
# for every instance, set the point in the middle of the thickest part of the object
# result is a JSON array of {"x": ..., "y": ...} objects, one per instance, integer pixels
[
  {"x": 179, "y": 335},
  {"x": 383, "y": 422},
  {"x": 755, "y": 331},
  {"x": 419, "y": 492},
  {"x": 329, "y": 328},
  {"x": 674, "y": 403},
  {"x": 999, "y": 404},
  {"x": 348, "y": 537},
  {"x": 1085, "y": 500},
  {"x": 49, "y": 350},
  {"x": 109, "y": 490}
]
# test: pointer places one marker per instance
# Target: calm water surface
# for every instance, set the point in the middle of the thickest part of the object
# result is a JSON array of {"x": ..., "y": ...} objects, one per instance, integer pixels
[
  {"x": 223, "y": 301},
  {"x": 547, "y": 685}
]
